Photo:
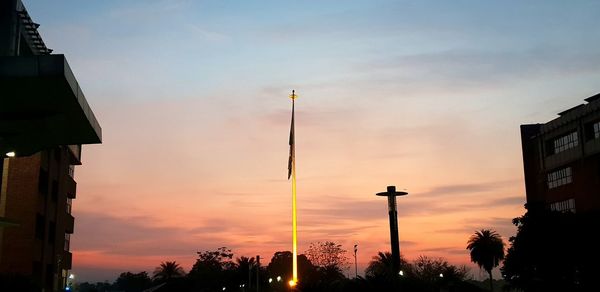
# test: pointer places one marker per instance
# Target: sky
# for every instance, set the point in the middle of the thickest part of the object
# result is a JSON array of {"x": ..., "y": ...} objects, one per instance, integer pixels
[{"x": 192, "y": 97}]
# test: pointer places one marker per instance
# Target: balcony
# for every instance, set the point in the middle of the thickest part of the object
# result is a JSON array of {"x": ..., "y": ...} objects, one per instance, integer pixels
[
  {"x": 67, "y": 260},
  {"x": 69, "y": 223},
  {"x": 70, "y": 187},
  {"x": 74, "y": 154}
]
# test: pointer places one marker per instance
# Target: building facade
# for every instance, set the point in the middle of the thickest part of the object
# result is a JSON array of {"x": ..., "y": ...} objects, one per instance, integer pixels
[
  {"x": 561, "y": 160},
  {"x": 37, "y": 194},
  {"x": 44, "y": 120}
]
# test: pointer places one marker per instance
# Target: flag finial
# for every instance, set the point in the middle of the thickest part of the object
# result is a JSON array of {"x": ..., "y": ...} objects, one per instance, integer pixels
[{"x": 293, "y": 95}]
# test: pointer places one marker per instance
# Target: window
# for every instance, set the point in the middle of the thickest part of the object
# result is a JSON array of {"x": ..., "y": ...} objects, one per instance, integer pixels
[
  {"x": 566, "y": 142},
  {"x": 563, "y": 206},
  {"x": 560, "y": 177},
  {"x": 596, "y": 130}
]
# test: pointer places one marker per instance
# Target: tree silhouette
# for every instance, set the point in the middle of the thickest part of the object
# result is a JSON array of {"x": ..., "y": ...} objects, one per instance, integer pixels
[
  {"x": 244, "y": 268},
  {"x": 211, "y": 270},
  {"x": 382, "y": 266},
  {"x": 487, "y": 250},
  {"x": 429, "y": 269},
  {"x": 281, "y": 265},
  {"x": 553, "y": 251},
  {"x": 168, "y": 270},
  {"x": 330, "y": 259},
  {"x": 130, "y": 282}
]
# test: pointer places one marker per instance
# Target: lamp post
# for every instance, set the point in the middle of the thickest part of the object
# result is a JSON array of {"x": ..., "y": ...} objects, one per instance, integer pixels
[{"x": 393, "y": 214}]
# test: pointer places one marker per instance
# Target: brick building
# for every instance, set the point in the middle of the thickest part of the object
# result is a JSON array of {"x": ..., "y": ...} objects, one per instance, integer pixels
[
  {"x": 44, "y": 120},
  {"x": 561, "y": 160}
]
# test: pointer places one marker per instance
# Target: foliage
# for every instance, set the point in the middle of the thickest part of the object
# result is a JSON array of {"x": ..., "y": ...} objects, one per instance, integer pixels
[
  {"x": 130, "y": 282},
  {"x": 211, "y": 269},
  {"x": 553, "y": 251},
  {"x": 168, "y": 270},
  {"x": 428, "y": 269},
  {"x": 327, "y": 255},
  {"x": 382, "y": 266},
  {"x": 423, "y": 274},
  {"x": 219, "y": 259},
  {"x": 487, "y": 250},
  {"x": 91, "y": 287},
  {"x": 330, "y": 259},
  {"x": 281, "y": 265},
  {"x": 244, "y": 270}
]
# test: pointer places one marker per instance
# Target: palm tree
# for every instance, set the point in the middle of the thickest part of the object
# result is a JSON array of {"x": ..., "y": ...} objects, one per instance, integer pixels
[
  {"x": 168, "y": 270},
  {"x": 487, "y": 250},
  {"x": 382, "y": 265},
  {"x": 243, "y": 269}
]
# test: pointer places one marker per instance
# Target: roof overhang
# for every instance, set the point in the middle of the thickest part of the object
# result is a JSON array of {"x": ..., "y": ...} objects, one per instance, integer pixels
[{"x": 42, "y": 106}]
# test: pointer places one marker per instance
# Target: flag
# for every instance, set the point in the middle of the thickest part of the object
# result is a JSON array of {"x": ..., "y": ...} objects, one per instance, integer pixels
[{"x": 291, "y": 158}]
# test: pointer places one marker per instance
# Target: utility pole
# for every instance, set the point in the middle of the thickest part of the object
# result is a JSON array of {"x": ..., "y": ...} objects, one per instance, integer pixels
[
  {"x": 250, "y": 274},
  {"x": 355, "y": 265},
  {"x": 393, "y": 214},
  {"x": 257, "y": 272}
]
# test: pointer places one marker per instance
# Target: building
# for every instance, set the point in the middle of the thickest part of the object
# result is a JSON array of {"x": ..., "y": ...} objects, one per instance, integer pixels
[
  {"x": 44, "y": 120},
  {"x": 561, "y": 160}
]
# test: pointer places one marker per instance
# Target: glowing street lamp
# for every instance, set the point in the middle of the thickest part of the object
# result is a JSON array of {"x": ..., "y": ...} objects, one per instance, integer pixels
[
  {"x": 10, "y": 154},
  {"x": 278, "y": 278}
]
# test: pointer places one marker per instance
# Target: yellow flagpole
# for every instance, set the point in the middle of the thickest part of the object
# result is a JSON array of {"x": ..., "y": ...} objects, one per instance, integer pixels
[{"x": 294, "y": 280}]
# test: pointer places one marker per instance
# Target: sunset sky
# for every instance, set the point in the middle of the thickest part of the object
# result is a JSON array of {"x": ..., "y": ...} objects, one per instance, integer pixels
[{"x": 193, "y": 100}]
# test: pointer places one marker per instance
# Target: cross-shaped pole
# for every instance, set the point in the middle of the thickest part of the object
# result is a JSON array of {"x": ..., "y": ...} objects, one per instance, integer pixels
[{"x": 394, "y": 241}]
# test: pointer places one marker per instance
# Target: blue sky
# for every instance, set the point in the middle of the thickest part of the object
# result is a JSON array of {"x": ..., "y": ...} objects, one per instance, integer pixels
[{"x": 427, "y": 95}]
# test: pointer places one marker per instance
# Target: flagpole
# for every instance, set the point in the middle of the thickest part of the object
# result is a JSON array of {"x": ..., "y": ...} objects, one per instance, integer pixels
[{"x": 294, "y": 280}]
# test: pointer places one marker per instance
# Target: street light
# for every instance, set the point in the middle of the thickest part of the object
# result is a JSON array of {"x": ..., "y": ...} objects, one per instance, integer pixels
[
  {"x": 278, "y": 278},
  {"x": 270, "y": 280},
  {"x": 292, "y": 283},
  {"x": 401, "y": 273},
  {"x": 10, "y": 154},
  {"x": 391, "y": 194}
]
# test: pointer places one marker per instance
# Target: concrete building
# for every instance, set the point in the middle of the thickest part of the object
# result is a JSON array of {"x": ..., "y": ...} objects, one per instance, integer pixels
[
  {"x": 44, "y": 120},
  {"x": 561, "y": 160}
]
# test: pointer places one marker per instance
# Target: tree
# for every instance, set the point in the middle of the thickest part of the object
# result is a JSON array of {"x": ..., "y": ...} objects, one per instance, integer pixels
[
  {"x": 211, "y": 269},
  {"x": 487, "y": 250},
  {"x": 382, "y": 266},
  {"x": 244, "y": 267},
  {"x": 168, "y": 270},
  {"x": 281, "y": 265},
  {"x": 130, "y": 282},
  {"x": 428, "y": 269},
  {"x": 330, "y": 259},
  {"x": 553, "y": 251}
]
